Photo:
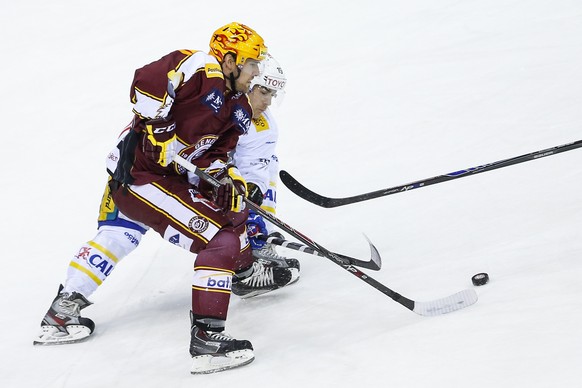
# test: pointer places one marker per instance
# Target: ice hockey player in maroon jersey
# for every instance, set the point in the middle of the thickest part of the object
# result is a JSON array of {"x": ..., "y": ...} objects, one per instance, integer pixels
[{"x": 192, "y": 104}]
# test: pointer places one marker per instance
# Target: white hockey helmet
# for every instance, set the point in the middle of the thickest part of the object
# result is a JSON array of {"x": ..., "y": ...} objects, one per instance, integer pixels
[{"x": 271, "y": 76}]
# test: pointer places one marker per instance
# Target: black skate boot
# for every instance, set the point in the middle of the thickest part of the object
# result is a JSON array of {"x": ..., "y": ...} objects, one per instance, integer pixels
[
  {"x": 269, "y": 254},
  {"x": 63, "y": 323},
  {"x": 261, "y": 278},
  {"x": 214, "y": 352}
]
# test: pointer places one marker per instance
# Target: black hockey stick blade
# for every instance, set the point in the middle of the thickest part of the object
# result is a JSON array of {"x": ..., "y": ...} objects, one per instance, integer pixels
[
  {"x": 328, "y": 202},
  {"x": 375, "y": 262}
]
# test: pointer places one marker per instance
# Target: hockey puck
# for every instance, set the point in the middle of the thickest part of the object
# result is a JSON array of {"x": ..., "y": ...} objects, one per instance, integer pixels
[{"x": 480, "y": 279}]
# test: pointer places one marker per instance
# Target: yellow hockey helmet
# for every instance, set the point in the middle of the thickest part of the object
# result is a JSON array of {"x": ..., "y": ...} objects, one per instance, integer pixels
[{"x": 240, "y": 40}]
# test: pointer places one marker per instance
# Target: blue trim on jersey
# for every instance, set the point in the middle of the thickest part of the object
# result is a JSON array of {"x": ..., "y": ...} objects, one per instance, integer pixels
[{"x": 123, "y": 224}]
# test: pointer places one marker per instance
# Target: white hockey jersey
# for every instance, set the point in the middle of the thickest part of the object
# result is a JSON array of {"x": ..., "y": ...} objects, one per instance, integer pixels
[{"x": 256, "y": 158}]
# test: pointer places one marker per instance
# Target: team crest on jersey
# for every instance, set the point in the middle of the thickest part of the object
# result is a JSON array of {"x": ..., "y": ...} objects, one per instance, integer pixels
[
  {"x": 242, "y": 119},
  {"x": 202, "y": 145},
  {"x": 198, "y": 224},
  {"x": 214, "y": 100}
]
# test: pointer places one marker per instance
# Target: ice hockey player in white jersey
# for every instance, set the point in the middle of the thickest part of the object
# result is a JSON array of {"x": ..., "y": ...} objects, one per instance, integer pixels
[
  {"x": 256, "y": 158},
  {"x": 119, "y": 235}
]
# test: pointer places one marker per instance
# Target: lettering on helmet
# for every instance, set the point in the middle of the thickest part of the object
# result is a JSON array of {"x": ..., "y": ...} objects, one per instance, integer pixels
[{"x": 274, "y": 83}]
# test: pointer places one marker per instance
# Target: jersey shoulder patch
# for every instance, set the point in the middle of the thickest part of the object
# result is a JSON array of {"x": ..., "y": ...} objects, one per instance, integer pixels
[
  {"x": 213, "y": 70},
  {"x": 261, "y": 123}
]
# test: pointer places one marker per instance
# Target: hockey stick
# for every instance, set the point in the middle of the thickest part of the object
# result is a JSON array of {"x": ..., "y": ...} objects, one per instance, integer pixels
[
  {"x": 320, "y": 200},
  {"x": 440, "y": 306},
  {"x": 374, "y": 264}
]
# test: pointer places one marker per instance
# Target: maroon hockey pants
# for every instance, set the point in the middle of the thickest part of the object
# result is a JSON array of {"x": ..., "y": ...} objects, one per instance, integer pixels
[{"x": 174, "y": 209}]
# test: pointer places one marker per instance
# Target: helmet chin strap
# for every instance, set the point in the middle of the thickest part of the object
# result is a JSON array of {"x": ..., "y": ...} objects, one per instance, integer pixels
[{"x": 233, "y": 79}]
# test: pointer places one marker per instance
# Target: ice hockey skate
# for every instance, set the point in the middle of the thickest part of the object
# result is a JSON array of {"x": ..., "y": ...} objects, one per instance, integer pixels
[
  {"x": 214, "y": 352},
  {"x": 63, "y": 324},
  {"x": 269, "y": 254},
  {"x": 264, "y": 276}
]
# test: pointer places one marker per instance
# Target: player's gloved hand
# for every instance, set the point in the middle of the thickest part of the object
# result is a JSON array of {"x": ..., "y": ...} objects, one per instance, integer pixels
[
  {"x": 256, "y": 227},
  {"x": 229, "y": 195},
  {"x": 159, "y": 141},
  {"x": 254, "y": 193}
]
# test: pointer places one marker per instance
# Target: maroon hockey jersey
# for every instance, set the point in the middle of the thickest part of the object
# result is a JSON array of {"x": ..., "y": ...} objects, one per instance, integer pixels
[{"x": 189, "y": 87}]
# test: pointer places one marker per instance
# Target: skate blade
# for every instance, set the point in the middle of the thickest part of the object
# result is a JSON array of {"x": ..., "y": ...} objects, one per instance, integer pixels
[
  {"x": 252, "y": 294},
  {"x": 208, "y": 363},
  {"x": 294, "y": 276},
  {"x": 50, "y": 335}
]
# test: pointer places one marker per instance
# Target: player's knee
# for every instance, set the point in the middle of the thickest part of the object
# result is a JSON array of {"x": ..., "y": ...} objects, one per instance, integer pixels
[
  {"x": 119, "y": 241},
  {"x": 221, "y": 251}
]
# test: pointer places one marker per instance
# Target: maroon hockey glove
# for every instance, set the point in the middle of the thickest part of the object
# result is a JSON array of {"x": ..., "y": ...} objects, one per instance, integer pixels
[
  {"x": 229, "y": 195},
  {"x": 159, "y": 141}
]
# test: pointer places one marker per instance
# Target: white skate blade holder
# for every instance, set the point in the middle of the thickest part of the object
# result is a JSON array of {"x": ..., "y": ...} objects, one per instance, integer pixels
[
  {"x": 208, "y": 363},
  {"x": 50, "y": 335}
]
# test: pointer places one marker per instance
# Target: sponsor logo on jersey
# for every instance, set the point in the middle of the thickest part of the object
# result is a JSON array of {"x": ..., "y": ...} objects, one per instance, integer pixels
[
  {"x": 112, "y": 157},
  {"x": 102, "y": 264},
  {"x": 108, "y": 209},
  {"x": 83, "y": 253},
  {"x": 213, "y": 70},
  {"x": 261, "y": 123},
  {"x": 132, "y": 239},
  {"x": 198, "y": 224},
  {"x": 214, "y": 100},
  {"x": 175, "y": 239},
  {"x": 271, "y": 195},
  {"x": 242, "y": 119},
  {"x": 222, "y": 282}
]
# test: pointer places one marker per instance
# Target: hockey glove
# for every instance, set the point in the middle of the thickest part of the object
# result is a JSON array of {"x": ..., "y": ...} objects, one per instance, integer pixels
[
  {"x": 229, "y": 195},
  {"x": 256, "y": 227},
  {"x": 254, "y": 193},
  {"x": 159, "y": 141}
]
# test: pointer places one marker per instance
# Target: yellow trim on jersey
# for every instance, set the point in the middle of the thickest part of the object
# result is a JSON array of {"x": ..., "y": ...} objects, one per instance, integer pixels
[
  {"x": 222, "y": 270},
  {"x": 86, "y": 272},
  {"x": 268, "y": 209},
  {"x": 189, "y": 231},
  {"x": 160, "y": 99},
  {"x": 104, "y": 250},
  {"x": 211, "y": 290}
]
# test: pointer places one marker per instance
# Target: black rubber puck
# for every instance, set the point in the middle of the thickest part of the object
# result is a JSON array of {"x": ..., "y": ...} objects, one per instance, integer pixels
[{"x": 480, "y": 279}]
